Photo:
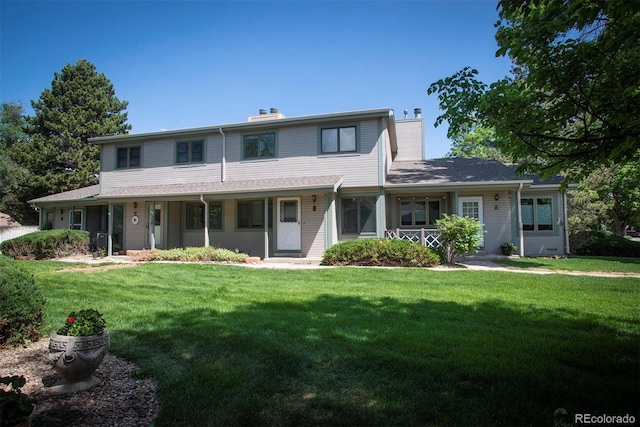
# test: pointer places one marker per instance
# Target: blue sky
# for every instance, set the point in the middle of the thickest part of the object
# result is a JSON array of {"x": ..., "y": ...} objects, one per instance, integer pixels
[{"x": 184, "y": 64}]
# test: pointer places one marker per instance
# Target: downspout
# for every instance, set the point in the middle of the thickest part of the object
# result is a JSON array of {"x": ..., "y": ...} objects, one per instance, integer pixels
[
  {"x": 206, "y": 220},
  {"x": 224, "y": 154},
  {"x": 565, "y": 219},
  {"x": 520, "y": 230}
]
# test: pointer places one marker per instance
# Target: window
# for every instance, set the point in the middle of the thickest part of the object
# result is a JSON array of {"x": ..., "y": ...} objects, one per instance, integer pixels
[
  {"x": 261, "y": 146},
  {"x": 288, "y": 211},
  {"x": 338, "y": 140},
  {"x": 359, "y": 215},
  {"x": 189, "y": 152},
  {"x": 75, "y": 219},
  {"x": 537, "y": 214},
  {"x": 417, "y": 213},
  {"x": 128, "y": 157},
  {"x": 250, "y": 214},
  {"x": 195, "y": 216}
]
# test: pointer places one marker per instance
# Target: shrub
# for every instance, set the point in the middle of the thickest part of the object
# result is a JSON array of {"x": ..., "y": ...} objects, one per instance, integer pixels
[
  {"x": 47, "y": 244},
  {"x": 380, "y": 252},
  {"x": 458, "y": 236},
  {"x": 599, "y": 243},
  {"x": 21, "y": 305},
  {"x": 191, "y": 254}
]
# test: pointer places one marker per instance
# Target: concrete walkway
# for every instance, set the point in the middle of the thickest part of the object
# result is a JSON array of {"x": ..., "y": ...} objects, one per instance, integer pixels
[{"x": 471, "y": 263}]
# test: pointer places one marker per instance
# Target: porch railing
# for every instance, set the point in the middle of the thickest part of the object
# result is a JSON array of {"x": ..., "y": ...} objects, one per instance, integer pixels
[{"x": 426, "y": 237}]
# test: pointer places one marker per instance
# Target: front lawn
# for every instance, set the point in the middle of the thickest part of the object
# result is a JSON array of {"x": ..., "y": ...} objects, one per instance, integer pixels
[
  {"x": 231, "y": 345},
  {"x": 577, "y": 263}
]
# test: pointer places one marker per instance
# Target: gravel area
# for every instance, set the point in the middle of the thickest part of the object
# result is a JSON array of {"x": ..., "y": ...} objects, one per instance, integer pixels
[{"x": 120, "y": 400}]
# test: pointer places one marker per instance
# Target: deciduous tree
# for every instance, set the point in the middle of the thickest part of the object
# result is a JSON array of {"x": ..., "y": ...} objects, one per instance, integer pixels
[{"x": 572, "y": 101}]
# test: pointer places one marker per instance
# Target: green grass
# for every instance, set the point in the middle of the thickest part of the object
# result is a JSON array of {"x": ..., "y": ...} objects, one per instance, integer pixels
[
  {"x": 579, "y": 263},
  {"x": 345, "y": 346}
]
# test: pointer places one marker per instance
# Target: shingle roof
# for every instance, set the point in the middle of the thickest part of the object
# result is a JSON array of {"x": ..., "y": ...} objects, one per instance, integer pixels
[
  {"x": 79, "y": 194},
  {"x": 227, "y": 187},
  {"x": 452, "y": 171}
]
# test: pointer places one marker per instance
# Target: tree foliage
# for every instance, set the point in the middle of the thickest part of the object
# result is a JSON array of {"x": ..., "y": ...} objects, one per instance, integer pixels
[
  {"x": 458, "y": 236},
  {"x": 12, "y": 135},
  {"x": 609, "y": 198},
  {"x": 80, "y": 104},
  {"x": 479, "y": 142},
  {"x": 572, "y": 101}
]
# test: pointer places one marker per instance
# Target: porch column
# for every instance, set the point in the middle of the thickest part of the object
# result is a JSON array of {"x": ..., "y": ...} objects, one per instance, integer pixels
[
  {"x": 152, "y": 225},
  {"x": 381, "y": 215},
  {"x": 266, "y": 227},
  {"x": 206, "y": 220},
  {"x": 109, "y": 230},
  {"x": 519, "y": 209}
]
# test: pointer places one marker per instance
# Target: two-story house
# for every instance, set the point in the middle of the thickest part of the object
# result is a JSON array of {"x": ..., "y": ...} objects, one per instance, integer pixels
[{"x": 277, "y": 186}]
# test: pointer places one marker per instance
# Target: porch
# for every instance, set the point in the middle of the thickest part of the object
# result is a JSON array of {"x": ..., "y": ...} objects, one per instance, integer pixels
[{"x": 428, "y": 237}]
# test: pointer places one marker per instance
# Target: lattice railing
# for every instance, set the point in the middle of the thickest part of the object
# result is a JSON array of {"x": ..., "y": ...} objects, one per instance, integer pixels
[{"x": 426, "y": 237}]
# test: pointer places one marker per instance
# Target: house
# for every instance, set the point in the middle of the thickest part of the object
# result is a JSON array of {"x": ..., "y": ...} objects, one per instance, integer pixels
[{"x": 293, "y": 186}]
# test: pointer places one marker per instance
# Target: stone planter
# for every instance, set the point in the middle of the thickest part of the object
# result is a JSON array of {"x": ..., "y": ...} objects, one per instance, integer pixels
[{"x": 75, "y": 359}]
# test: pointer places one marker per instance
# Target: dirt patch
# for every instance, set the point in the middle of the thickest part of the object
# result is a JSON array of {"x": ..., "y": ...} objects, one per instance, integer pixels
[{"x": 94, "y": 268}]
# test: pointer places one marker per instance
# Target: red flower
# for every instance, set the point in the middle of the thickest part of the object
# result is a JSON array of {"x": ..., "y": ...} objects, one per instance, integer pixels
[{"x": 70, "y": 319}]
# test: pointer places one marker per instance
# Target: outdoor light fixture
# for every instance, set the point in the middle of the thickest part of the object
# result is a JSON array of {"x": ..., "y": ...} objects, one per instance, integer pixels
[
  {"x": 313, "y": 198},
  {"x": 497, "y": 197}
]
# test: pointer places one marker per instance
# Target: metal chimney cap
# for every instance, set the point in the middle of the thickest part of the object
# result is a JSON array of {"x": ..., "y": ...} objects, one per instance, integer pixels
[
  {"x": 263, "y": 111},
  {"x": 273, "y": 110}
]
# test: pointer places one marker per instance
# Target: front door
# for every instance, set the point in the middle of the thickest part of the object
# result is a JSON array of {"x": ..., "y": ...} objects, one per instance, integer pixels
[
  {"x": 472, "y": 208},
  {"x": 155, "y": 226},
  {"x": 289, "y": 225}
]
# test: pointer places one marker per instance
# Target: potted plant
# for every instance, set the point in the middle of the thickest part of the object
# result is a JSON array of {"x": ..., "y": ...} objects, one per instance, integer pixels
[
  {"x": 16, "y": 408},
  {"x": 77, "y": 349},
  {"x": 508, "y": 248}
]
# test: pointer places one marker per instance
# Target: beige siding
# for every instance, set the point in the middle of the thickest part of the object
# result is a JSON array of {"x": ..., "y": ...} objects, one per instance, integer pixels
[
  {"x": 547, "y": 243},
  {"x": 135, "y": 234},
  {"x": 174, "y": 229},
  {"x": 410, "y": 136},
  {"x": 312, "y": 226},
  {"x": 158, "y": 166},
  {"x": 297, "y": 156}
]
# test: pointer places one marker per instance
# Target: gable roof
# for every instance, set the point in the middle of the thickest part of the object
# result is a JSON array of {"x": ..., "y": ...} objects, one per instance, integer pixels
[
  {"x": 83, "y": 193},
  {"x": 327, "y": 182},
  {"x": 251, "y": 125},
  {"x": 453, "y": 172}
]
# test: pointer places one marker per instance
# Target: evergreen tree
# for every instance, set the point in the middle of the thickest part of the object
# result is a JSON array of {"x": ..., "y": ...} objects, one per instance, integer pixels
[
  {"x": 12, "y": 134},
  {"x": 80, "y": 104}
]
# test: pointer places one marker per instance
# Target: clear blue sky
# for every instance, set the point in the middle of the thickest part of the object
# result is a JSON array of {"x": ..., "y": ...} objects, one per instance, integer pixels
[{"x": 184, "y": 64}]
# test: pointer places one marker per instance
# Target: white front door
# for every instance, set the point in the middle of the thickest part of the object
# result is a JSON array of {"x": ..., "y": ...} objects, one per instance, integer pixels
[
  {"x": 155, "y": 226},
  {"x": 472, "y": 207},
  {"x": 289, "y": 225}
]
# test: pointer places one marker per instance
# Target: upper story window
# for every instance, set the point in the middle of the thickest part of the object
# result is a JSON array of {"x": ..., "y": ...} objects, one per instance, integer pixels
[
  {"x": 128, "y": 157},
  {"x": 189, "y": 152},
  {"x": 259, "y": 146},
  {"x": 338, "y": 140},
  {"x": 537, "y": 214}
]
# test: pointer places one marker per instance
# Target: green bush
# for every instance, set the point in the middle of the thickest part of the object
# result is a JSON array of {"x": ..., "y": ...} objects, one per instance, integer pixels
[
  {"x": 21, "y": 305},
  {"x": 380, "y": 252},
  {"x": 458, "y": 236},
  {"x": 47, "y": 244},
  {"x": 205, "y": 253},
  {"x": 599, "y": 243}
]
